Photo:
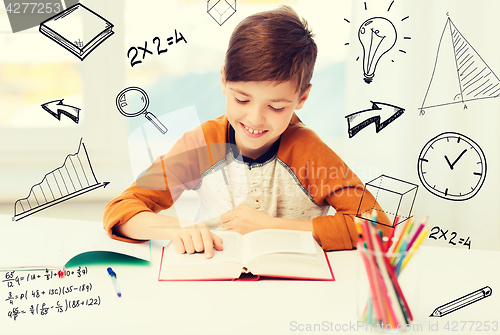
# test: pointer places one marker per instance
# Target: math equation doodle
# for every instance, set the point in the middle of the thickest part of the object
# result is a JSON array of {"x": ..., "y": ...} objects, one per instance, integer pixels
[
  {"x": 443, "y": 234},
  {"x": 40, "y": 293},
  {"x": 133, "y": 52}
]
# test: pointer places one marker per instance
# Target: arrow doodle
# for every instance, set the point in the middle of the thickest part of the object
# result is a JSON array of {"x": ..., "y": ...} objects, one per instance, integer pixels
[
  {"x": 56, "y": 108},
  {"x": 373, "y": 115}
]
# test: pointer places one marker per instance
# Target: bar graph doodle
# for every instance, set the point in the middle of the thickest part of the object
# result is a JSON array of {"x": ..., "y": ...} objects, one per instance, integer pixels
[
  {"x": 456, "y": 56},
  {"x": 56, "y": 108},
  {"x": 73, "y": 178}
]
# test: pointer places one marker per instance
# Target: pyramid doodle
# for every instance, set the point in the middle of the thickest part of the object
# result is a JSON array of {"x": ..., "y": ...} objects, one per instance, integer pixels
[{"x": 460, "y": 74}]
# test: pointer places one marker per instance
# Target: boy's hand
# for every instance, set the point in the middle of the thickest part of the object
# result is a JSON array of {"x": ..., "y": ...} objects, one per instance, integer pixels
[
  {"x": 244, "y": 219},
  {"x": 197, "y": 238}
]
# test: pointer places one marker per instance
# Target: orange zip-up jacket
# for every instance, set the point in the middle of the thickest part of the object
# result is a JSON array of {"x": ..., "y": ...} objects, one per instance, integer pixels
[{"x": 299, "y": 177}]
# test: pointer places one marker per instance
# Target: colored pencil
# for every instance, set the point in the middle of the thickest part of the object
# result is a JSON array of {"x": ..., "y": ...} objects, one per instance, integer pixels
[
  {"x": 399, "y": 293},
  {"x": 378, "y": 305},
  {"x": 389, "y": 289},
  {"x": 415, "y": 247},
  {"x": 400, "y": 238},
  {"x": 391, "y": 234},
  {"x": 415, "y": 236},
  {"x": 386, "y": 302}
]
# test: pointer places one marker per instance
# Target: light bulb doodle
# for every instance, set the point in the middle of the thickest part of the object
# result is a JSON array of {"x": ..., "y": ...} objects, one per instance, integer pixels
[{"x": 377, "y": 36}]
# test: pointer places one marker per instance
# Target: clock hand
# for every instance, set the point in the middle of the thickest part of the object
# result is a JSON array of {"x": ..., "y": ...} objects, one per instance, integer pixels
[
  {"x": 448, "y": 161},
  {"x": 456, "y": 160}
]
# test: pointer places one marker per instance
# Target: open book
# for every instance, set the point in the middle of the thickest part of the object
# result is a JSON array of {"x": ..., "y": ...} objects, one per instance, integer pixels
[
  {"x": 265, "y": 253},
  {"x": 43, "y": 243}
]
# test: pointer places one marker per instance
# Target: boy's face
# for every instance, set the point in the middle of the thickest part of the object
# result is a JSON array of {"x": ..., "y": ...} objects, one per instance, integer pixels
[{"x": 260, "y": 112}]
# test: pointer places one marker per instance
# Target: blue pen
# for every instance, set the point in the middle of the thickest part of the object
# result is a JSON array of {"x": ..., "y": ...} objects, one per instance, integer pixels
[{"x": 113, "y": 278}]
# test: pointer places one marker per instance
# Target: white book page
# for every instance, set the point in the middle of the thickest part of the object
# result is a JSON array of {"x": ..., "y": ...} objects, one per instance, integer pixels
[
  {"x": 14, "y": 253},
  {"x": 232, "y": 252},
  {"x": 268, "y": 241}
]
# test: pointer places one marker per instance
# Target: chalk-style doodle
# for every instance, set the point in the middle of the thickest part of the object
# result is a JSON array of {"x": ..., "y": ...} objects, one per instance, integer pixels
[
  {"x": 452, "y": 166},
  {"x": 134, "y": 101},
  {"x": 377, "y": 36},
  {"x": 461, "y": 302},
  {"x": 133, "y": 52},
  {"x": 395, "y": 196},
  {"x": 75, "y": 177},
  {"x": 458, "y": 66},
  {"x": 443, "y": 234},
  {"x": 56, "y": 108},
  {"x": 66, "y": 30},
  {"x": 221, "y": 10},
  {"x": 381, "y": 114}
]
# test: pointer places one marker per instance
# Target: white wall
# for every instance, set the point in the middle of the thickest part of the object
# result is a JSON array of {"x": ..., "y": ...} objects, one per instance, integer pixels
[{"x": 32, "y": 142}]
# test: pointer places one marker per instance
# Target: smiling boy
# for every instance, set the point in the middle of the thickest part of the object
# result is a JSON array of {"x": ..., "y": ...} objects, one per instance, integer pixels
[{"x": 258, "y": 157}]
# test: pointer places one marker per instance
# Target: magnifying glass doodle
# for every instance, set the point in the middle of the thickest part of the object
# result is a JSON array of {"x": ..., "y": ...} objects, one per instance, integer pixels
[{"x": 134, "y": 101}]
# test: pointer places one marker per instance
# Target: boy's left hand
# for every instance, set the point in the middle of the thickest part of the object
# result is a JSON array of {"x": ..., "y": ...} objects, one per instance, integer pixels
[{"x": 244, "y": 219}]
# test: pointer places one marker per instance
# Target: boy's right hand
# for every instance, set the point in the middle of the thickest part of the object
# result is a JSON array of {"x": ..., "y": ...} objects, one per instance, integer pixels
[{"x": 197, "y": 237}]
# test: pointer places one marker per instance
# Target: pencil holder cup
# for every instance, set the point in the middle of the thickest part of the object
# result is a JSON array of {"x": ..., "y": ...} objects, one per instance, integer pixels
[{"x": 388, "y": 290}]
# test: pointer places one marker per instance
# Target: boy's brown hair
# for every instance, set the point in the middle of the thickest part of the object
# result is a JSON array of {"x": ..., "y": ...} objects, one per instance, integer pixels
[{"x": 275, "y": 45}]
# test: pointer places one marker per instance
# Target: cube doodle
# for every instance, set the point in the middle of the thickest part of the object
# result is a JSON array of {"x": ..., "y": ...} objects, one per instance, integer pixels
[
  {"x": 395, "y": 197},
  {"x": 221, "y": 10}
]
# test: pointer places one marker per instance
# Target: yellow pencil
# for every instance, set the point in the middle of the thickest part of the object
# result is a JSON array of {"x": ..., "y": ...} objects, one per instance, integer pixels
[
  {"x": 402, "y": 236},
  {"x": 414, "y": 247}
]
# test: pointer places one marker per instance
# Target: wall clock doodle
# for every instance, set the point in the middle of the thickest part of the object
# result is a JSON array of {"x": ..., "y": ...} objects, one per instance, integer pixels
[{"x": 452, "y": 166}]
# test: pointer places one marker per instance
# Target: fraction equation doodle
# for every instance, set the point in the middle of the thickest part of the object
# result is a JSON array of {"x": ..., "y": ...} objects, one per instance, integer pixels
[
  {"x": 39, "y": 293},
  {"x": 133, "y": 52},
  {"x": 61, "y": 290},
  {"x": 11, "y": 278},
  {"x": 443, "y": 234},
  {"x": 60, "y": 306}
]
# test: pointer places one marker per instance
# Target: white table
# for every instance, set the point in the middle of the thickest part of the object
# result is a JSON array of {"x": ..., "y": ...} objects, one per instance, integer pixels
[{"x": 263, "y": 307}]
